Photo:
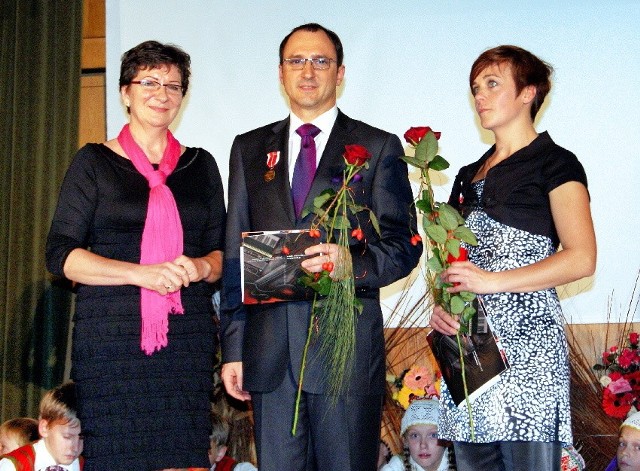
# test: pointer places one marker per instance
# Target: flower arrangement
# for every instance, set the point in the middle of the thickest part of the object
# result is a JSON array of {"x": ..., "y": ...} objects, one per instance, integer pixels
[
  {"x": 621, "y": 378},
  {"x": 334, "y": 286},
  {"x": 445, "y": 231},
  {"x": 417, "y": 382}
]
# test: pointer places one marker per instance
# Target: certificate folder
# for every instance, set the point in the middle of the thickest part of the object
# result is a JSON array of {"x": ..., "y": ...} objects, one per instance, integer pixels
[
  {"x": 484, "y": 358},
  {"x": 271, "y": 266}
]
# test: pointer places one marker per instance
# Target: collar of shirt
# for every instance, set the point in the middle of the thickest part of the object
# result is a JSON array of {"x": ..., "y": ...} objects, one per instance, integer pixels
[
  {"x": 324, "y": 122},
  {"x": 44, "y": 458}
]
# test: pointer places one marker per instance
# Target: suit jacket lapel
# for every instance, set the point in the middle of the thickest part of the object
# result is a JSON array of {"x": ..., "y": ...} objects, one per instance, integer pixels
[{"x": 279, "y": 141}]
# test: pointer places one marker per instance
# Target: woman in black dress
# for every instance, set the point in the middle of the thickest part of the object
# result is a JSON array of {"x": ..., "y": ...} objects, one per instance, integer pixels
[{"x": 139, "y": 227}]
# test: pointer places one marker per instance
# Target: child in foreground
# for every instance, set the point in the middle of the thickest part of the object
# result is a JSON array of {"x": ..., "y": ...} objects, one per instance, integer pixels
[
  {"x": 17, "y": 432},
  {"x": 59, "y": 428},
  {"x": 220, "y": 461},
  {"x": 422, "y": 449},
  {"x": 628, "y": 456}
]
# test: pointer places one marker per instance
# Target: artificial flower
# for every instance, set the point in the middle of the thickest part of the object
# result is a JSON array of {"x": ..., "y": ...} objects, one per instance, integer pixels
[
  {"x": 616, "y": 405},
  {"x": 621, "y": 385},
  {"x": 621, "y": 377},
  {"x": 417, "y": 382},
  {"x": 407, "y": 395},
  {"x": 418, "y": 377}
]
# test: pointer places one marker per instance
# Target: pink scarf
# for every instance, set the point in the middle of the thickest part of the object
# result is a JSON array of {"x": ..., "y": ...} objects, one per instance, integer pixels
[{"x": 161, "y": 238}]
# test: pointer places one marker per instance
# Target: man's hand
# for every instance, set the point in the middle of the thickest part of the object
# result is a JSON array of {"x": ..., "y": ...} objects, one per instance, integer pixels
[
  {"x": 232, "y": 380},
  {"x": 325, "y": 257}
]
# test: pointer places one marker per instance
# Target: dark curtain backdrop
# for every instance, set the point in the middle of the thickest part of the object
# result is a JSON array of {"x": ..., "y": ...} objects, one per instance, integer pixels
[{"x": 40, "y": 53}]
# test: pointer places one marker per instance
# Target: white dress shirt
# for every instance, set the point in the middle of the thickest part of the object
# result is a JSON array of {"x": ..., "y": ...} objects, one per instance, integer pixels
[{"x": 43, "y": 459}]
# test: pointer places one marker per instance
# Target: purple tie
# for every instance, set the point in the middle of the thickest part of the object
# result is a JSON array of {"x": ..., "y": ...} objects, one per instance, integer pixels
[
  {"x": 305, "y": 167},
  {"x": 54, "y": 468}
]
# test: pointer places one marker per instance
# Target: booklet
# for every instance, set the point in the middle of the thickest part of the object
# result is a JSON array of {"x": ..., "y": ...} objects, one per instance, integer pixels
[
  {"x": 271, "y": 266},
  {"x": 484, "y": 357}
]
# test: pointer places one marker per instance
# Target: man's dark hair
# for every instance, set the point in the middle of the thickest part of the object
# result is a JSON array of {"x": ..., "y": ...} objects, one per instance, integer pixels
[{"x": 313, "y": 28}]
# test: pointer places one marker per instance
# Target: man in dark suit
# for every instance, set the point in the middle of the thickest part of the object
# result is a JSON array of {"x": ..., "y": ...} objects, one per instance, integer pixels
[{"x": 262, "y": 344}]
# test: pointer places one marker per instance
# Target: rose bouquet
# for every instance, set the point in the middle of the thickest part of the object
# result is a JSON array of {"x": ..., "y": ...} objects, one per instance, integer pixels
[
  {"x": 335, "y": 306},
  {"x": 445, "y": 231},
  {"x": 621, "y": 378}
]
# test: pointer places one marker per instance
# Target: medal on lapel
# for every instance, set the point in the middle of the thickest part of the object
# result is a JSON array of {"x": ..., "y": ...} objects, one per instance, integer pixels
[{"x": 273, "y": 158}]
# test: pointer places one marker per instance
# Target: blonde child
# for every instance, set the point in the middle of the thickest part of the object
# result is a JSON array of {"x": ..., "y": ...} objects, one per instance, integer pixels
[
  {"x": 15, "y": 433},
  {"x": 628, "y": 455},
  {"x": 422, "y": 449},
  {"x": 59, "y": 428}
]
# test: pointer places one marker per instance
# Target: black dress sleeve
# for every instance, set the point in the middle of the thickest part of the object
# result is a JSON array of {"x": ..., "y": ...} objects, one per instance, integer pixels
[{"x": 75, "y": 210}]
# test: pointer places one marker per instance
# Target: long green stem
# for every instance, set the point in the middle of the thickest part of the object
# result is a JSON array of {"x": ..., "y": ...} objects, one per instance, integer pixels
[
  {"x": 464, "y": 383},
  {"x": 302, "y": 368},
  {"x": 426, "y": 182}
]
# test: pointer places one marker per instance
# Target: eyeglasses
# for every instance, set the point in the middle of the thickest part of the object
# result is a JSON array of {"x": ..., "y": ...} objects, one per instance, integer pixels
[
  {"x": 153, "y": 86},
  {"x": 318, "y": 63}
]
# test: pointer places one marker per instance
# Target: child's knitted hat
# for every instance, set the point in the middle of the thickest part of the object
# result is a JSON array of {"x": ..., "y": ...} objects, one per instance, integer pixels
[
  {"x": 632, "y": 421},
  {"x": 420, "y": 412}
]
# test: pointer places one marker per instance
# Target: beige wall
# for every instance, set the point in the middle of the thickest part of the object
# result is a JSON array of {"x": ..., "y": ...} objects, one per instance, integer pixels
[{"x": 92, "y": 117}]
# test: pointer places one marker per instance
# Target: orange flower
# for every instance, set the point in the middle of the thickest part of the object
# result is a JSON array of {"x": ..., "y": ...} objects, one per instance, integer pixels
[{"x": 418, "y": 377}]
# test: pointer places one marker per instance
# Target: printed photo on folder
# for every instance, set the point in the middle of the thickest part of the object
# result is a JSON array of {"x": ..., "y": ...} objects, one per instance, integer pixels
[
  {"x": 484, "y": 358},
  {"x": 271, "y": 266}
]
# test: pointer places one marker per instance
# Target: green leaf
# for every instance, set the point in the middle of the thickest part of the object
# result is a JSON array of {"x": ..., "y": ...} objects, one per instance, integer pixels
[
  {"x": 467, "y": 296},
  {"x": 437, "y": 233},
  {"x": 374, "y": 222},
  {"x": 434, "y": 264},
  {"x": 323, "y": 285},
  {"x": 356, "y": 208},
  {"x": 426, "y": 223},
  {"x": 457, "y": 305},
  {"x": 324, "y": 197},
  {"x": 467, "y": 313},
  {"x": 427, "y": 148},
  {"x": 424, "y": 206},
  {"x": 448, "y": 216},
  {"x": 453, "y": 247},
  {"x": 414, "y": 161},
  {"x": 438, "y": 163},
  {"x": 465, "y": 235},
  {"x": 341, "y": 222}
]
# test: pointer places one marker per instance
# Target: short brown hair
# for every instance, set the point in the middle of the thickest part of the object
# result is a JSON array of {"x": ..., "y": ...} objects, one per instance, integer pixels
[
  {"x": 527, "y": 69},
  {"x": 153, "y": 54},
  {"x": 59, "y": 405},
  {"x": 23, "y": 429},
  {"x": 219, "y": 429}
]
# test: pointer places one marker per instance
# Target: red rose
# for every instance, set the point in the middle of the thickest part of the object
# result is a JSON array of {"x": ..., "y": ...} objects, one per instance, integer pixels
[
  {"x": 356, "y": 154},
  {"x": 414, "y": 135},
  {"x": 633, "y": 338},
  {"x": 462, "y": 256}
]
